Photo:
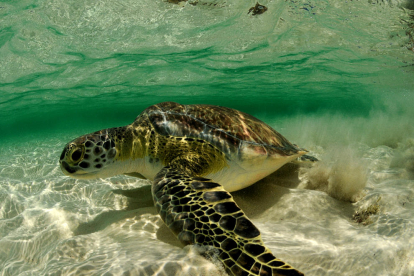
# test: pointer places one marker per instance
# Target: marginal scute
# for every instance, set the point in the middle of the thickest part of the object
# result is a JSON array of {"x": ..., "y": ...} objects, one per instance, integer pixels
[
  {"x": 256, "y": 268},
  {"x": 176, "y": 189},
  {"x": 218, "y": 231},
  {"x": 245, "y": 228},
  {"x": 254, "y": 249},
  {"x": 177, "y": 209},
  {"x": 199, "y": 213},
  {"x": 175, "y": 201},
  {"x": 216, "y": 196},
  {"x": 276, "y": 263},
  {"x": 186, "y": 237},
  {"x": 194, "y": 208},
  {"x": 245, "y": 261},
  {"x": 226, "y": 207},
  {"x": 210, "y": 212},
  {"x": 239, "y": 214},
  {"x": 189, "y": 224},
  {"x": 170, "y": 183},
  {"x": 185, "y": 200},
  {"x": 164, "y": 199},
  {"x": 182, "y": 194},
  {"x": 204, "y": 185},
  {"x": 215, "y": 217},
  {"x": 200, "y": 239},
  {"x": 228, "y": 263},
  {"x": 158, "y": 208},
  {"x": 228, "y": 223},
  {"x": 169, "y": 219},
  {"x": 229, "y": 244},
  {"x": 236, "y": 270},
  {"x": 223, "y": 255},
  {"x": 219, "y": 238},
  {"x": 177, "y": 226},
  {"x": 265, "y": 270},
  {"x": 162, "y": 213},
  {"x": 265, "y": 258},
  {"x": 181, "y": 216},
  {"x": 204, "y": 219},
  {"x": 235, "y": 254}
]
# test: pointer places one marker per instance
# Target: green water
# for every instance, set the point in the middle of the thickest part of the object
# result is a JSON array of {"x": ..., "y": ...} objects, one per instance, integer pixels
[
  {"x": 67, "y": 64},
  {"x": 336, "y": 77}
]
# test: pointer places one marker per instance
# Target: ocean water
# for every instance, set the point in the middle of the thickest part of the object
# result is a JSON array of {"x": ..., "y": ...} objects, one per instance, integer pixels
[{"x": 335, "y": 77}]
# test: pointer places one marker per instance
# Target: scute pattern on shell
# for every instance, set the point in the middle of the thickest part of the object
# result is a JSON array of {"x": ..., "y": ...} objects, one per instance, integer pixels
[
  {"x": 225, "y": 128},
  {"x": 193, "y": 156}
]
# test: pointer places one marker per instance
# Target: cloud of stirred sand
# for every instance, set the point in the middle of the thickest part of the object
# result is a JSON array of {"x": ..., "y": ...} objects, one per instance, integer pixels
[{"x": 337, "y": 140}]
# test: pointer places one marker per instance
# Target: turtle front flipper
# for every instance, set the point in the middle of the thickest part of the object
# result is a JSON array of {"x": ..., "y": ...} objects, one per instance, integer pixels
[{"x": 201, "y": 212}]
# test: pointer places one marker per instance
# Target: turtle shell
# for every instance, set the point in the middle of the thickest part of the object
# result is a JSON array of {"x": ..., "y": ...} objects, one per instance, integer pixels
[{"x": 228, "y": 129}]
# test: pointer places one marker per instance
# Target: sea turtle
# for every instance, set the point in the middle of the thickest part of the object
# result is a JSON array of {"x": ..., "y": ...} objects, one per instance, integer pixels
[{"x": 195, "y": 155}]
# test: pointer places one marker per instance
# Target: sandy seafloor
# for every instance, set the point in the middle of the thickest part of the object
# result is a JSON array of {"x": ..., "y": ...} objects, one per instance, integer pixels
[{"x": 335, "y": 77}]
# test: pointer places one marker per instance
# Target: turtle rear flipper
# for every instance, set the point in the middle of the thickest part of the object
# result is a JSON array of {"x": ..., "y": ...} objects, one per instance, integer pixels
[{"x": 199, "y": 211}]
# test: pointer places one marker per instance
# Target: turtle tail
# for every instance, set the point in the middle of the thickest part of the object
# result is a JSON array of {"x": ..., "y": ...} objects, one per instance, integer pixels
[{"x": 199, "y": 211}]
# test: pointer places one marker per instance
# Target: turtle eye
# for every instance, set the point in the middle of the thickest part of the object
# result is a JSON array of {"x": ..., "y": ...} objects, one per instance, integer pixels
[{"x": 76, "y": 155}]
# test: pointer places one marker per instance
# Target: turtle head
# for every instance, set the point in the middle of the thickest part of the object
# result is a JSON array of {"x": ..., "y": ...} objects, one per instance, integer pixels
[{"x": 90, "y": 156}]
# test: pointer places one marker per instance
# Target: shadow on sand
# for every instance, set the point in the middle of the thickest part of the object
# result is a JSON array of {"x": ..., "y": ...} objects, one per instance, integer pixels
[{"x": 253, "y": 200}]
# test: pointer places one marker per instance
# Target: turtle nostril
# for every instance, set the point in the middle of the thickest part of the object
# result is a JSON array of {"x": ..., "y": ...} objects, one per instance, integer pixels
[{"x": 76, "y": 155}]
